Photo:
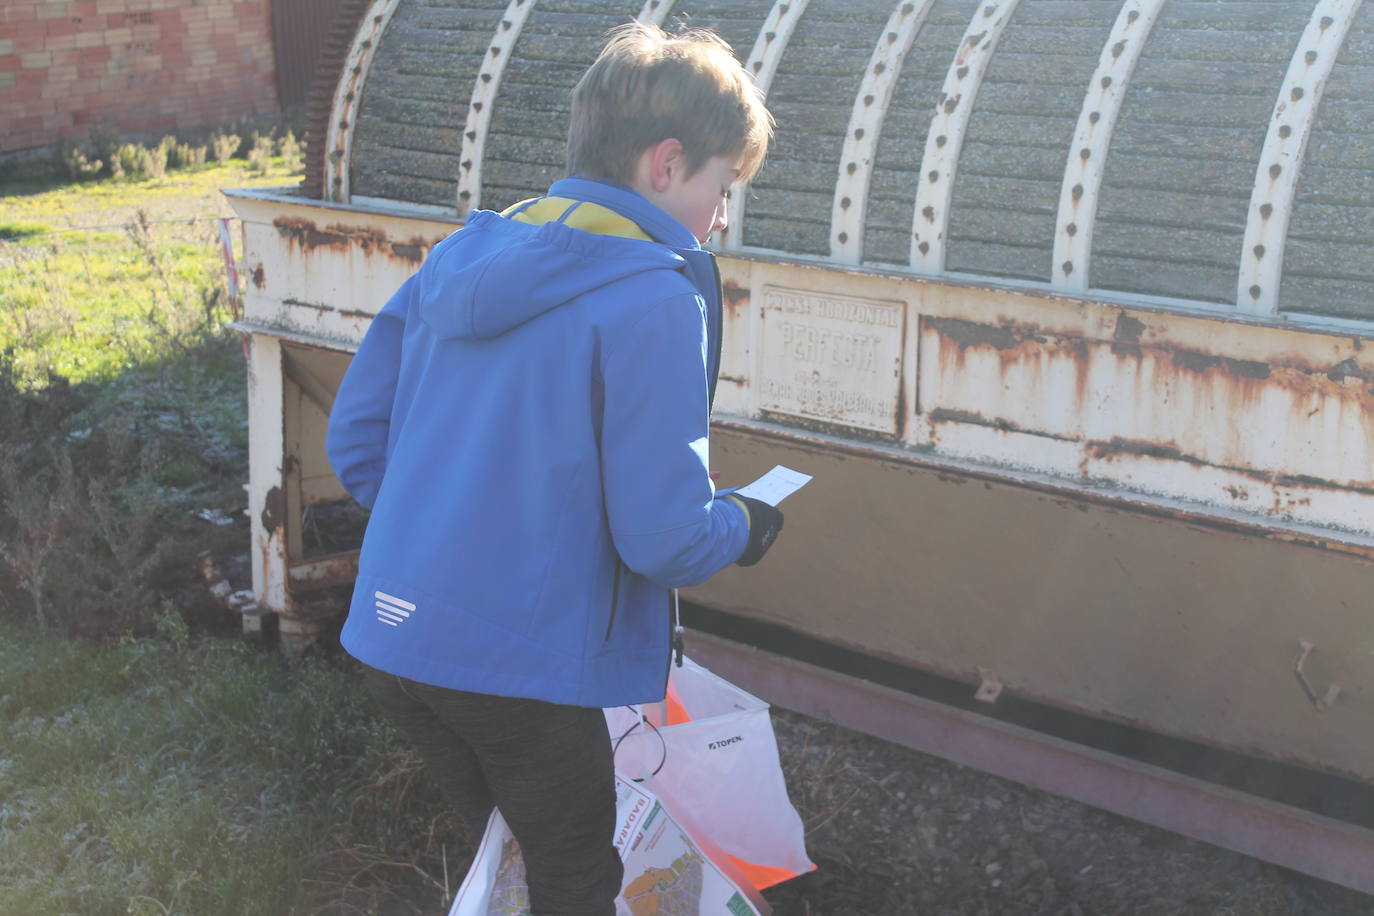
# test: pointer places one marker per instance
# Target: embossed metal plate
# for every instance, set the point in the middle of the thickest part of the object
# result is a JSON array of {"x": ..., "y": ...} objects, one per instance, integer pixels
[{"x": 831, "y": 358}]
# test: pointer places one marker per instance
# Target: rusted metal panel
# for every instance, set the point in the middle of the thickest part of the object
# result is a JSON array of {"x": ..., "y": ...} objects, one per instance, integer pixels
[
  {"x": 1234, "y": 416},
  {"x": 321, "y": 271},
  {"x": 1158, "y": 616},
  {"x": 1277, "y": 833}
]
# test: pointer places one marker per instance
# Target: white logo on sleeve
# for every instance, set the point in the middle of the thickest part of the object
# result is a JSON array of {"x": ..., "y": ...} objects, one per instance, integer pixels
[{"x": 391, "y": 610}]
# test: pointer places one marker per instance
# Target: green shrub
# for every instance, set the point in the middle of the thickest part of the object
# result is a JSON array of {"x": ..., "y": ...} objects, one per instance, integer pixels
[
  {"x": 260, "y": 156},
  {"x": 186, "y": 156},
  {"x": 224, "y": 146},
  {"x": 292, "y": 153},
  {"x": 74, "y": 163}
]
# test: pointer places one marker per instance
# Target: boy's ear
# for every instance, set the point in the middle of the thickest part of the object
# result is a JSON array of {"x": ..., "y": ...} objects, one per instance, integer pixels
[{"x": 664, "y": 160}]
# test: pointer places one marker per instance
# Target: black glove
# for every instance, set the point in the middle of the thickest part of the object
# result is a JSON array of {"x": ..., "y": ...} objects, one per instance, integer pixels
[{"x": 765, "y": 522}]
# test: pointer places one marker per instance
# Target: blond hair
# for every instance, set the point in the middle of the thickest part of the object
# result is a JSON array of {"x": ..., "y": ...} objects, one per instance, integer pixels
[{"x": 647, "y": 86}]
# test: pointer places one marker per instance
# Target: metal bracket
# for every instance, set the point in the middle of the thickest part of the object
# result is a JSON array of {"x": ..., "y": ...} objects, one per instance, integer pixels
[
  {"x": 990, "y": 688},
  {"x": 1323, "y": 702}
]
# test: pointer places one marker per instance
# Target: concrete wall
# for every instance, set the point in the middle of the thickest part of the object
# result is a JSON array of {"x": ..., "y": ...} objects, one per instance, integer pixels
[{"x": 134, "y": 65}]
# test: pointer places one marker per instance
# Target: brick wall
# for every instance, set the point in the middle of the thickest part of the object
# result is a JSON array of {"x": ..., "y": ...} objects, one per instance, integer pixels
[{"x": 134, "y": 65}]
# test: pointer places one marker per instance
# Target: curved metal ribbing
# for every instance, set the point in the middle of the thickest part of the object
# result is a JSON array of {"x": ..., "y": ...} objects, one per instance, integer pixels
[
  {"x": 1092, "y": 138},
  {"x": 850, "y": 205},
  {"x": 483, "y": 100},
  {"x": 320, "y": 103},
  {"x": 348, "y": 98},
  {"x": 1276, "y": 177},
  {"x": 945, "y": 138},
  {"x": 763, "y": 64},
  {"x": 655, "y": 11}
]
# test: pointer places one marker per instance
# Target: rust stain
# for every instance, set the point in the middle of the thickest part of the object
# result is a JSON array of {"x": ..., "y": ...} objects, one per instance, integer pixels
[
  {"x": 320, "y": 572},
  {"x": 309, "y": 236},
  {"x": 740, "y": 380},
  {"x": 1197, "y": 361},
  {"x": 954, "y": 415},
  {"x": 973, "y": 334},
  {"x": 1104, "y": 451},
  {"x": 1128, "y": 329},
  {"x": 273, "y": 510},
  {"x": 735, "y": 296},
  {"x": 259, "y": 276}
]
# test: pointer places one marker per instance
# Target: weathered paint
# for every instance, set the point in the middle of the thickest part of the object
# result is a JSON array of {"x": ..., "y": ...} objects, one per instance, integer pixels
[
  {"x": 1161, "y": 619},
  {"x": 321, "y": 270},
  {"x": 1197, "y": 486}
]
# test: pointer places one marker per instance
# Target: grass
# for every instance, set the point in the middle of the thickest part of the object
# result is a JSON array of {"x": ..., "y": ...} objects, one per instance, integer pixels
[
  {"x": 170, "y": 775},
  {"x": 144, "y": 771},
  {"x": 99, "y": 277}
]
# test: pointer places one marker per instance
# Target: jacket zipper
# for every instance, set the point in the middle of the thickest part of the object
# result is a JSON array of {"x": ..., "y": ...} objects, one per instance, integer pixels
[
  {"x": 719, "y": 334},
  {"x": 615, "y": 597}
]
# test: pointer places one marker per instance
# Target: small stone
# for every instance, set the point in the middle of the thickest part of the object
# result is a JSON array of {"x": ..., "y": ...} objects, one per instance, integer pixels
[{"x": 992, "y": 868}]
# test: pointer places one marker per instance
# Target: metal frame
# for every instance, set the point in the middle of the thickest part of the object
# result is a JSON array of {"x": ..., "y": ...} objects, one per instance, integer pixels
[
  {"x": 849, "y": 207},
  {"x": 763, "y": 62},
  {"x": 945, "y": 138},
  {"x": 655, "y": 11},
  {"x": 1087, "y": 159},
  {"x": 1281, "y": 834},
  {"x": 338, "y": 141},
  {"x": 1276, "y": 175},
  {"x": 484, "y": 91}
]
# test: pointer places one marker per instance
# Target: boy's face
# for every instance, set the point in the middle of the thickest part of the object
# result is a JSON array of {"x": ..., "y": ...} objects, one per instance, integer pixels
[{"x": 697, "y": 201}]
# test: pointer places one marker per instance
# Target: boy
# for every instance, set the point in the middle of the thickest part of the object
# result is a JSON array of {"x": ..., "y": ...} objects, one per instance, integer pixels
[{"x": 527, "y": 420}]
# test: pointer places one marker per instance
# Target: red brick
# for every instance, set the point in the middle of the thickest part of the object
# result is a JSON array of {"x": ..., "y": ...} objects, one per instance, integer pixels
[
  {"x": 28, "y": 33},
  {"x": 16, "y": 12},
  {"x": 9, "y": 63},
  {"x": 64, "y": 26},
  {"x": 57, "y": 120}
]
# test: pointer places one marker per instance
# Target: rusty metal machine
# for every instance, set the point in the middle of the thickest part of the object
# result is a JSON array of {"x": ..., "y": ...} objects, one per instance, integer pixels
[{"x": 1068, "y": 308}]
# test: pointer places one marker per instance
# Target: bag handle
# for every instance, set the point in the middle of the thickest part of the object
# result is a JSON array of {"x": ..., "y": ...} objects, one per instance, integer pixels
[{"x": 663, "y": 745}]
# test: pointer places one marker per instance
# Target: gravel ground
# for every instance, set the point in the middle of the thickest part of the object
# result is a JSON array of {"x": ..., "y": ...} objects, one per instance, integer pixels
[{"x": 895, "y": 831}]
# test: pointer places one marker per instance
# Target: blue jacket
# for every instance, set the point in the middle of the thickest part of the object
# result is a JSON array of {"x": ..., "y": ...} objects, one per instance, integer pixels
[{"x": 527, "y": 419}]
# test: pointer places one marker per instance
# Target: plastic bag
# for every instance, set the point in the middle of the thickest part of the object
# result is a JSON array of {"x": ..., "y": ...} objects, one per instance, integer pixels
[
  {"x": 702, "y": 809},
  {"x": 709, "y": 752},
  {"x": 666, "y": 869}
]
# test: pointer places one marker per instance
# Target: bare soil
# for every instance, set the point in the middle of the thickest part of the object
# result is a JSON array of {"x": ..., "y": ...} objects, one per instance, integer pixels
[{"x": 897, "y": 832}]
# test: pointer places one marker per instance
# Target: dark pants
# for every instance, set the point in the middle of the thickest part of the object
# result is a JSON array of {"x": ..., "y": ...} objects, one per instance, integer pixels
[{"x": 547, "y": 767}]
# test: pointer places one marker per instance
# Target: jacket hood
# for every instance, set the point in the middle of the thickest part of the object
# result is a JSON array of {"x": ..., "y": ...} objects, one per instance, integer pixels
[{"x": 495, "y": 274}]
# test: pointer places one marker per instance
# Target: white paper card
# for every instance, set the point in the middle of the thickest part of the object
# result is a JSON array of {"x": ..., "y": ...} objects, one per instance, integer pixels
[{"x": 776, "y": 485}]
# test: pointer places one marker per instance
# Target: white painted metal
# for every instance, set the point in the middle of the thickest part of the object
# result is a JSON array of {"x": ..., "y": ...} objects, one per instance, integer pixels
[
  {"x": 850, "y": 205},
  {"x": 266, "y": 454},
  {"x": 1276, "y": 177},
  {"x": 483, "y": 98},
  {"x": 1087, "y": 159},
  {"x": 763, "y": 66},
  {"x": 945, "y": 138},
  {"x": 1068, "y": 382},
  {"x": 348, "y": 98},
  {"x": 655, "y": 11}
]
